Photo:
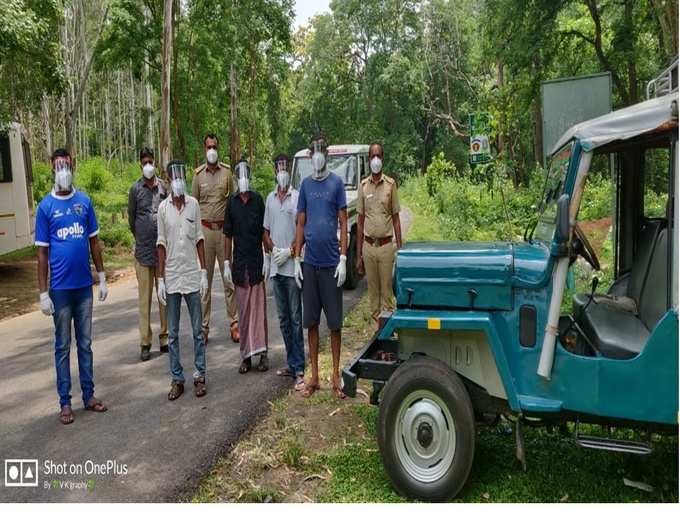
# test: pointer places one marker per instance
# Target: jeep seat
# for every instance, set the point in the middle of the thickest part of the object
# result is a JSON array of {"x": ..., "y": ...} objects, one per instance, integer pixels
[
  {"x": 625, "y": 292},
  {"x": 621, "y": 334}
]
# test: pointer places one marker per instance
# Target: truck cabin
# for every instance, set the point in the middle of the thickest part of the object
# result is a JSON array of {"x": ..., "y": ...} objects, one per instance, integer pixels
[{"x": 640, "y": 144}]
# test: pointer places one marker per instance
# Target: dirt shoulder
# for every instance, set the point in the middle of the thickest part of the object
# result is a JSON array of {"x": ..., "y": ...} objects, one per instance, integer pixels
[{"x": 19, "y": 279}]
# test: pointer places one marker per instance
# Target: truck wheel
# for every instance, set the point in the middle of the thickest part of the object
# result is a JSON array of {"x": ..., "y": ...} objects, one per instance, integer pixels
[
  {"x": 426, "y": 430},
  {"x": 353, "y": 276}
]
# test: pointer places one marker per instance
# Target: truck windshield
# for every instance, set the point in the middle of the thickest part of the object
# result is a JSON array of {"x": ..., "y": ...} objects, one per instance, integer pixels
[
  {"x": 342, "y": 165},
  {"x": 554, "y": 185}
]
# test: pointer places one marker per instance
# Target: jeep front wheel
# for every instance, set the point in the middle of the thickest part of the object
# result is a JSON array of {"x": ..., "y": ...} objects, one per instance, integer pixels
[{"x": 426, "y": 430}]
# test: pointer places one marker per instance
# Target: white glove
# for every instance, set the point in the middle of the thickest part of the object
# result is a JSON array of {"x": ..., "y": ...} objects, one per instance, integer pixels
[
  {"x": 341, "y": 270},
  {"x": 266, "y": 265},
  {"x": 103, "y": 289},
  {"x": 298, "y": 271},
  {"x": 281, "y": 255},
  {"x": 46, "y": 304},
  {"x": 162, "y": 296},
  {"x": 227, "y": 274},
  {"x": 204, "y": 283}
]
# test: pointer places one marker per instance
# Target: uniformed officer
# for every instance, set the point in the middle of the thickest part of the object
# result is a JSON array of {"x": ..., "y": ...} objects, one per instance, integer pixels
[
  {"x": 212, "y": 186},
  {"x": 378, "y": 210}
]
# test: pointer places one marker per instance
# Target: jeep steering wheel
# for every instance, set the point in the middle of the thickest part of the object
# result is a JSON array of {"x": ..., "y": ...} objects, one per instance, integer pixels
[{"x": 581, "y": 246}]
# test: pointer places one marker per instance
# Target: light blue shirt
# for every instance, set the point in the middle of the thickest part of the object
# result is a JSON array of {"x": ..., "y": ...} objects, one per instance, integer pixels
[{"x": 279, "y": 219}]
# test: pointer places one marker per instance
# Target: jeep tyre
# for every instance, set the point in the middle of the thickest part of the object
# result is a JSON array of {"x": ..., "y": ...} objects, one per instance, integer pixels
[{"x": 426, "y": 430}]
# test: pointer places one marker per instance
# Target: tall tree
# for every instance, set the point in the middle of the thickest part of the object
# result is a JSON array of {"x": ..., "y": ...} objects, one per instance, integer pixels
[{"x": 165, "y": 149}]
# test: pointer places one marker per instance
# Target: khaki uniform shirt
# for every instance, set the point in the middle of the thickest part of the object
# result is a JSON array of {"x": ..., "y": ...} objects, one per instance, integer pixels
[
  {"x": 212, "y": 189},
  {"x": 378, "y": 202}
]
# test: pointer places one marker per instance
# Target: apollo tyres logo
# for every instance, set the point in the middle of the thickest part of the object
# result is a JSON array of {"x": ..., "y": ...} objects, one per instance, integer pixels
[
  {"x": 76, "y": 231},
  {"x": 21, "y": 472}
]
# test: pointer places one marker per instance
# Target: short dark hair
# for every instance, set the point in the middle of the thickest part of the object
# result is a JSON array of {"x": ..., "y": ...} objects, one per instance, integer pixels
[
  {"x": 280, "y": 156},
  {"x": 212, "y": 136},
  {"x": 60, "y": 153},
  {"x": 318, "y": 135},
  {"x": 146, "y": 153},
  {"x": 173, "y": 162},
  {"x": 376, "y": 144}
]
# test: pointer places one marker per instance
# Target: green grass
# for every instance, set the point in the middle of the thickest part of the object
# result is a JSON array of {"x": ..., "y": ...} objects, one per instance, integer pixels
[
  {"x": 18, "y": 255},
  {"x": 556, "y": 470}
]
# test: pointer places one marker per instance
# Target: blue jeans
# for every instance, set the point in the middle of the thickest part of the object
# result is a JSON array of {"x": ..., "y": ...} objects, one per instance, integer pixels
[
  {"x": 174, "y": 303},
  {"x": 73, "y": 305},
  {"x": 289, "y": 307}
]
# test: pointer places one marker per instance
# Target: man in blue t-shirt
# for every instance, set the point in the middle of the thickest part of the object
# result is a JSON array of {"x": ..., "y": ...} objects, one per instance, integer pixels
[
  {"x": 321, "y": 203},
  {"x": 65, "y": 234}
]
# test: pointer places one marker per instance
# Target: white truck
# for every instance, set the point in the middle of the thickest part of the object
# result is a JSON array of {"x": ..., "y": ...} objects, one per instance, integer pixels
[
  {"x": 351, "y": 163},
  {"x": 17, "y": 223}
]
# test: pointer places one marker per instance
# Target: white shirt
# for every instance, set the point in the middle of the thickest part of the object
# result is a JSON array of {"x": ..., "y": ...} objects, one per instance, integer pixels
[
  {"x": 279, "y": 219},
  {"x": 179, "y": 231}
]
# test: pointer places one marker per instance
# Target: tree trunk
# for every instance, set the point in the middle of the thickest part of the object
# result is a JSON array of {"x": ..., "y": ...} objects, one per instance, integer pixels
[
  {"x": 179, "y": 135},
  {"x": 234, "y": 137},
  {"x": 667, "y": 13},
  {"x": 538, "y": 130},
  {"x": 165, "y": 151},
  {"x": 500, "y": 77}
]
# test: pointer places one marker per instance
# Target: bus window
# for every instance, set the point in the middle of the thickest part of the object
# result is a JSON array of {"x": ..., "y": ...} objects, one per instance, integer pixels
[
  {"x": 28, "y": 169},
  {"x": 5, "y": 159}
]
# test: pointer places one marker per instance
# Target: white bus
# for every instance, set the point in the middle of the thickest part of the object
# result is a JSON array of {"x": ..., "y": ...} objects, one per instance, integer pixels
[{"x": 17, "y": 223}]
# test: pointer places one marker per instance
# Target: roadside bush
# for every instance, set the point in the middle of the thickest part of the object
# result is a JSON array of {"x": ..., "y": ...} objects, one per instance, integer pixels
[
  {"x": 439, "y": 170},
  {"x": 117, "y": 234},
  {"x": 42, "y": 180},
  {"x": 92, "y": 176}
]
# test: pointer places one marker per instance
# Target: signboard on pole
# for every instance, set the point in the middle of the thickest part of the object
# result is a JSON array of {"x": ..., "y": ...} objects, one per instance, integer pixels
[
  {"x": 480, "y": 149},
  {"x": 568, "y": 101}
]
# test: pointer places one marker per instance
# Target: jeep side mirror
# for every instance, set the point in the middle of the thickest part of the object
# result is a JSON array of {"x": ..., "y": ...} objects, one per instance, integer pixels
[{"x": 562, "y": 218}]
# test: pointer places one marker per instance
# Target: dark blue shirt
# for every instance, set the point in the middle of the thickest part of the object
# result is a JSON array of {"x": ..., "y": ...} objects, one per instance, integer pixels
[{"x": 321, "y": 201}]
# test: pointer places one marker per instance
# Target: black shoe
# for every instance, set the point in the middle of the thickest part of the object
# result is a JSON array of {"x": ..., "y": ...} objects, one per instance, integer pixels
[
  {"x": 146, "y": 353},
  {"x": 164, "y": 348}
]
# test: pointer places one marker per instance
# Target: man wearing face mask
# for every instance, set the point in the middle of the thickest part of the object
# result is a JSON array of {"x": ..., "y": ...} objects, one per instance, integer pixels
[
  {"x": 378, "y": 217},
  {"x": 212, "y": 186},
  {"x": 180, "y": 240},
  {"x": 66, "y": 234},
  {"x": 243, "y": 220},
  {"x": 279, "y": 239},
  {"x": 322, "y": 203},
  {"x": 144, "y": 197}
]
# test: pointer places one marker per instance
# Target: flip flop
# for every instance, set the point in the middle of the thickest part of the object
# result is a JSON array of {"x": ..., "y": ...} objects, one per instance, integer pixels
[
  {"x": 235, "y": 335},
  {"x": 66, "y": 415},
  {"x": 299, "y": 383},
  {"x": 96, "y": 405},
  {"x": 309, "y": 390},
  {"x": 337, "y": 391},
  {"x": 245, "y": 366}
]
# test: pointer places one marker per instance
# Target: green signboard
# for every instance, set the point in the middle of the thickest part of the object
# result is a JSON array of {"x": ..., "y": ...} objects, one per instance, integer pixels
[{"x": 480, "y": 129}]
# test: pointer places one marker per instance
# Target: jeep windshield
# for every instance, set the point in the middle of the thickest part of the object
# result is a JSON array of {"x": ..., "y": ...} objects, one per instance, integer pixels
[
  {"x": 342, "y": 165},
  {"x": 554, "y": 186}
]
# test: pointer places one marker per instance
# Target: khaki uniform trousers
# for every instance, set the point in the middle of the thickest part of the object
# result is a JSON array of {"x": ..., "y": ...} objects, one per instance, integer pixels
[
  {"x": 146, "y": 282},
  {"x": 378, "y": 264},
  {"x": 214, "y": 249}
]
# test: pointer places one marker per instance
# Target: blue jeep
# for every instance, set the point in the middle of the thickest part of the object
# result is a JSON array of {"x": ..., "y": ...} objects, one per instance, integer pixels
[{"x": 478, "y": 332}]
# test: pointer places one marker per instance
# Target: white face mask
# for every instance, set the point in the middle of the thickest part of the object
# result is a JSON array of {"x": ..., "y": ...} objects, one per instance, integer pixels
[
  {"x": 318, "y": 161},
  {"x": 178, "y": 187},
  {"x": 63, "y": 178},
  {"x": 283, "y": 179},
  {"x": 148, "y": 171},
  {"x": 376, "y": 165},
  {"x": 211, "y": 156},
  {"x": 243, "y": 184}
]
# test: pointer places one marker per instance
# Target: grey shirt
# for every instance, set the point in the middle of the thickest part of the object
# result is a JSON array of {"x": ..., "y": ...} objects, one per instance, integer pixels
[
  {"x": 143, "y": 205},
  {"x": 280, "y": 218}
]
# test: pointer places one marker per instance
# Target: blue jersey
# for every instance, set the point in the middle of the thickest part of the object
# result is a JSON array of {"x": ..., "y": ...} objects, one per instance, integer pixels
[
  {"x": 321, "y": 201},
  {"x": 64, "y": 224}
]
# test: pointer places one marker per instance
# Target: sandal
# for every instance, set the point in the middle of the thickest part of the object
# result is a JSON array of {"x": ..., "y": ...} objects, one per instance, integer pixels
[
  {"x": 263, "y": 365},
  {"x": 199, "y": 387},
  {"x": 245, "y": 366},
  {"x": 299, "y": 382},
  {"x": 337, "y": 391},
  {"x": 235, "y": 335},
  {"x": 96, "y": 406},
  {"x": 284, "y": 372},
  {"x": 309, "y": 390},
  {"x": 66, "y": 415},
  {"x": 176, "y": 390}
]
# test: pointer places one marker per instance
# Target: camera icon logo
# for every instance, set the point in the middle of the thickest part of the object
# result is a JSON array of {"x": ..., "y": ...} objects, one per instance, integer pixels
[{"x": 21, "y": 472}]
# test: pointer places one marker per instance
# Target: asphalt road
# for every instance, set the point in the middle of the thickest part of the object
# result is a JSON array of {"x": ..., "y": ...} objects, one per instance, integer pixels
[{"x": 165, "y": 447}]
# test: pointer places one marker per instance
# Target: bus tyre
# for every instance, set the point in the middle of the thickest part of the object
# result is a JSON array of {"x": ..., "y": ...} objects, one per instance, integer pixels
[
  {"x": 426, "y": 430},
  {"x": 353, "y": 276}
]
